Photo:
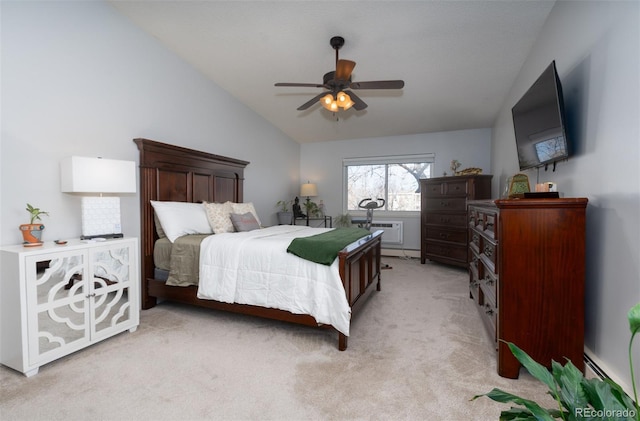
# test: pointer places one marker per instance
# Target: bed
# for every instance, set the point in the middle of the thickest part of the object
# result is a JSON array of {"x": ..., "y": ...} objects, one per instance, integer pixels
[{"x": 176, "y": 174}]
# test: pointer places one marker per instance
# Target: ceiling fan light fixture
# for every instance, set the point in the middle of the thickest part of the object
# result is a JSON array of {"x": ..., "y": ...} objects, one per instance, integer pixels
[
  {"x": 344, "y": 100},
  {"x": 333, "y": 104},
  {"x": 326, "y": 100},
  {"x": 329, "y": 102}
]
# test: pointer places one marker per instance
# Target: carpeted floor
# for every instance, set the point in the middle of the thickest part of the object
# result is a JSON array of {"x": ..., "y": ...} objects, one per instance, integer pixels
[{"x": 418, "y": 351}]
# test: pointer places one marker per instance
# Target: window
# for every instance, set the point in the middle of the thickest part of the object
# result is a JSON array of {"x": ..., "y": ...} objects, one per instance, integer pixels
[{"x": 394, "y": 179}]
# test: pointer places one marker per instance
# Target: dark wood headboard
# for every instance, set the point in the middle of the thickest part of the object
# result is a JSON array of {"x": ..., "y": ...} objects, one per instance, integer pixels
[{"x": 174, "y": 173}]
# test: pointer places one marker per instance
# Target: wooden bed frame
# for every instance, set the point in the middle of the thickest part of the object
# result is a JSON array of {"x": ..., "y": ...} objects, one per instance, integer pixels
[{"x": 173, "y": 173}]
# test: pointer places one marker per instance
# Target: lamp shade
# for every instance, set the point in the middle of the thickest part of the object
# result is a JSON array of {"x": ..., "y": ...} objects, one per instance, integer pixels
[
  {"x": 309, "y": 190},
  {"x": 97, "y": 175}
]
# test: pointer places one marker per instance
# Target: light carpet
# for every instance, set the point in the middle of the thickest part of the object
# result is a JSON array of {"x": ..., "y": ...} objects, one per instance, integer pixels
[{"x": 417, "y": 351}]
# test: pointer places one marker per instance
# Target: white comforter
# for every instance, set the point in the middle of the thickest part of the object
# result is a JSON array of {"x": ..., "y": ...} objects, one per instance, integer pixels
[{"x": 254, "y": 268}]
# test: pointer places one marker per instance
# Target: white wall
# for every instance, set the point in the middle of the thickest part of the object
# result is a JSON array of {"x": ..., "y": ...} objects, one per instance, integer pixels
[
  {"x": 80, "y": 79},
  {"x": 596, "y": 46},
  {"x": 321, "y": 163}
]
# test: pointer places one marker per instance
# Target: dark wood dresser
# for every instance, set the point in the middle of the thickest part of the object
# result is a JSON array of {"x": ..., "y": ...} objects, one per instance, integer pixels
[
  {"x": 526, "y": 277},
  {"x": 443, "y": 225}
]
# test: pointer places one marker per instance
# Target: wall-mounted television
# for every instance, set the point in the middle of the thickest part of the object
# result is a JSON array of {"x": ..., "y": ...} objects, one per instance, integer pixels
[{"x": 539, "y": 123}]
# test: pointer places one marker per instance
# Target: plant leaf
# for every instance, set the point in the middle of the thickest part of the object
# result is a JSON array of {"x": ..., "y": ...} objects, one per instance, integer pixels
[
  {"x": 517, "y": 414},
  {"x": 607, "y": 395},
  {"x": 536, "y": 410},
  {"x": 572, "y": 395},
  {"x": 619, "y": 394},
  {"x": 537, "y": 370},
  {"x": 589, "y": 386},
  {"x": 634, "y": 318}
]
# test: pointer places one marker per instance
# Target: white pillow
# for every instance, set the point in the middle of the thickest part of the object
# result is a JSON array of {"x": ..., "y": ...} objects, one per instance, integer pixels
[
  {"x": 243, "y": 208},
  {"x": 219, "y": 216},
  {"x": 181, "y": 218}
]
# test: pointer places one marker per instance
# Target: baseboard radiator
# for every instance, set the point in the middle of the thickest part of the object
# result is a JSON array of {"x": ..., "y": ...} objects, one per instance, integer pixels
[{"x": 393, "y": 231}]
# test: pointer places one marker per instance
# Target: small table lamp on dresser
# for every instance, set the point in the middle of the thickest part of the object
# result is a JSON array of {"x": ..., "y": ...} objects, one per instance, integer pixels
[{"x": 100, "y": 214}]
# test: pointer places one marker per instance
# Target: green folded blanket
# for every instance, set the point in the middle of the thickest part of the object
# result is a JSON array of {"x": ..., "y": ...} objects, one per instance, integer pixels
[{"x": 323, "y": 248}]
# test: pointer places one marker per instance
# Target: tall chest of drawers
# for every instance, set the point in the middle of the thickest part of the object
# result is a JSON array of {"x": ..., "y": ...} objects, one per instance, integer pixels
[
  {"x": 443, "y": 225},
  {"x": 526, "y": 277}
]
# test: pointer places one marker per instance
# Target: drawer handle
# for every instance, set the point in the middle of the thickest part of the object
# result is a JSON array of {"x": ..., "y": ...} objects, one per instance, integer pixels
[
  {"x": 488, "y": 310},
  {"x": 488, "y": 280},
  {"x": 444, "y": 236},
  {"x": 444, "y": 204}
]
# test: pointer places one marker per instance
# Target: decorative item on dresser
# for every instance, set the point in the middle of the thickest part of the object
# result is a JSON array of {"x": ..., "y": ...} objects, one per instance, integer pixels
[
  {"x": 444, "y": 216},
  {"x": 32, "y": 232},
  {"x": 100, "y": 214},
  {"x": 526, "y": 276}
]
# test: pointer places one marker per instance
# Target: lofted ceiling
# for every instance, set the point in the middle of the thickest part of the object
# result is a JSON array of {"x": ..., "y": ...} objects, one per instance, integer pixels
[{"x": 458, "y": 58}]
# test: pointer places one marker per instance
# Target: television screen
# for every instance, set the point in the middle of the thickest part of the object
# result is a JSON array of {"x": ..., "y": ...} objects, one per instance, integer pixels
[{"x": 539, "y": 123}]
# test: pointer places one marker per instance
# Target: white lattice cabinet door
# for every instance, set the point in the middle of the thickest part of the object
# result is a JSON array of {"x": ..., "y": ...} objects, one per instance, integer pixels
[{"x": 59, "y": 299}]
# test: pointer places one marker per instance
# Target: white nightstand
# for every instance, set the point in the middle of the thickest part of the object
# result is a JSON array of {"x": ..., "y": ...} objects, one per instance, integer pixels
[{"x": 57, "y": 299}]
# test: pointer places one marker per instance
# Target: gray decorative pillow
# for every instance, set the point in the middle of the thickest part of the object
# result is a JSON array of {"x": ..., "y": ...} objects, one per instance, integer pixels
[{"x": 244, "y": 222}]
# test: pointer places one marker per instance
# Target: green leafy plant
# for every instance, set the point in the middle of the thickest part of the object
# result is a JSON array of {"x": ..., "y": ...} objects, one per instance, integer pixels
[
  {"x": 578, "y": 398},
  {"x": 343, "y": 220},
  {"x": 283, "y": 205},
  {"x": 35, "y": 213},
  {"x": 312, "y": 208}
]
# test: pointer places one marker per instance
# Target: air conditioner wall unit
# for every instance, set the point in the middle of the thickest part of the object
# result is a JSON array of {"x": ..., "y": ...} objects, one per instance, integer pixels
[{"x": 393, "y": 231}]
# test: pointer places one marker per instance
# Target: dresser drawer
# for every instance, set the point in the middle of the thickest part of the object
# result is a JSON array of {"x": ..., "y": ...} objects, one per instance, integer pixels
[
  {"x": 446, "y": 204},
  {"x": 489, "y": 250},
  {"x": 449, "y": 251},
  {"x": 472, "y": 217},
  {"x": 474, "y": 263},
  {"x": 450, "y": 187},
  {"x": 489, "y": 315},
  {"x": 474, "y": 283},
  {"x": 483, "y": 220},
  {"x": 489, "y": 286},
  {"x": 444, "y": 234},
  {"x": 448, "y": 219},
  {"x": 474, "y": 241}
]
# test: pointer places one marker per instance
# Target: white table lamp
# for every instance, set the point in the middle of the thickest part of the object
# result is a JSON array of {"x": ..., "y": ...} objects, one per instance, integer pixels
[
  {"x": 100, "y": 215},
  {"x": 309, "y": 190}
]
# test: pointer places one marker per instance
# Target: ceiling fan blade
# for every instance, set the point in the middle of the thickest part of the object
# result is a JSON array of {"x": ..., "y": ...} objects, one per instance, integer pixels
[
  {"x": 378, "y": 84},
  {"x": 358, "y": 104},
  {"x": 312, "y": 101},
  {"x": 344, "y": 69},
  {"x": 301, "y": 85}
]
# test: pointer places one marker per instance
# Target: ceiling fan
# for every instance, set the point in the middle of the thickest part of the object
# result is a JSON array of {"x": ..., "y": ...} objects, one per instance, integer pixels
[{"x": 338, "y": 84}]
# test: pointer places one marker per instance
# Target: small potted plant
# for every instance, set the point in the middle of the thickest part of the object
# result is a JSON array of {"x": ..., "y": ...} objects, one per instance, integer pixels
[
  {"x": 343, "y": 220},
  {"x": 32, "y": 232},
  {"x": 285, "y": 216},
  {"x": 312, "y": 209}
]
